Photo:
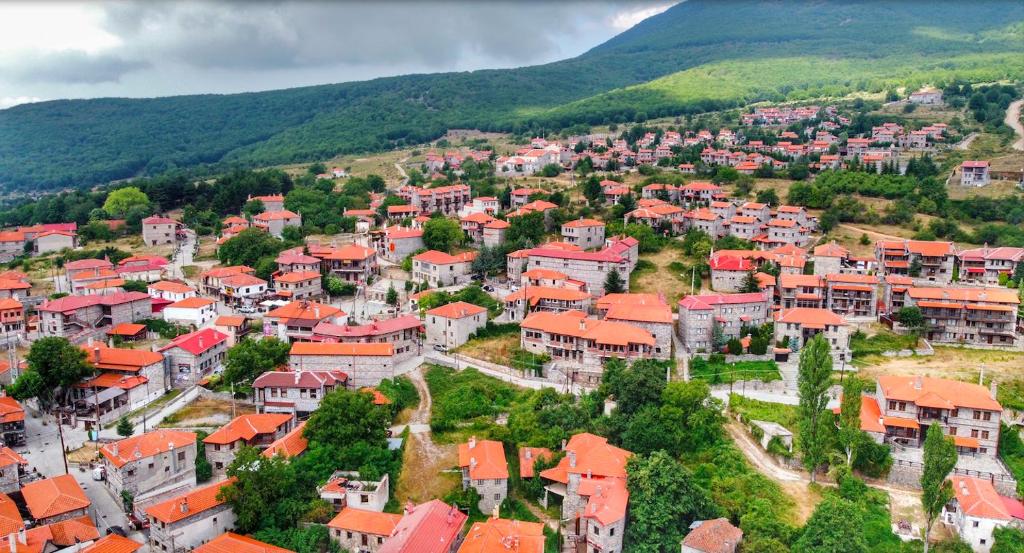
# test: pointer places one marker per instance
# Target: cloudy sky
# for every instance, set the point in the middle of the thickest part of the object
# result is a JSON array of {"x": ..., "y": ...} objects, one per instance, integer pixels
[{"x": 135, "y": 48}]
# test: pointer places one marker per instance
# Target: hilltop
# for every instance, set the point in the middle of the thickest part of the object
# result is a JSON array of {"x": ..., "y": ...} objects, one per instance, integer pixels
[{"x": 697, "y": 56}]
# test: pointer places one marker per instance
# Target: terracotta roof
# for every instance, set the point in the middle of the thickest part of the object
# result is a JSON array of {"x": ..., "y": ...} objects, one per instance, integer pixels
[
  {"x": 236, "y": 281},
  {"x": 127, "y": 329},
  {"x": 292, "y": 444},
  {"x": 348, "y": 252},
  {"x": 937, "y": 392},
  {"x": 11, "y": 410},
  {"x": 374, "y": 328},
  {"x": 435, "y": 257},
  {"x": 378, "y": 397},
  {"x": 606, "y": 499},
  {"x": 707, "y": 301},
  {"x": 68, "y": 532},
  {"x": 497, "y": 224},
  {"x": 536, "y": 293},
  {"x": 192, "y": 503},
  {"x": 714, "y": 536},
  {"x": 152, "y": 443},
  {"x": 159, "y": 221},
  {"x": 54, "y": 496},
  {"x": 484, "y": 458},
  {"x": 11, "y": 284},
  {"x": 920, "y": 247},
  {"x": 730, "y": 263},
  {"x": 528, "y": 456},
  {"x": 576, "y": 323},
  {"x": 365, "y": 522},
  {"x": 648, "y": 313},
  {"x": 852, "y": 278},
  {"x": 221, "y": 272},
  {"x": 9, "y": 457},
  {"x": 309, "y": 310},
  {"x": 247, "y": 427},
  {"x": 229, "y": 320},
  {"x": 10, "y": 517},
  {"x": 547, "y": 274},
  {"x": 978, "y": 498},
  {"x": 580, "y": 223},
  {"x": 74, "y": 303},
  {"x": 495, "y": 534},
  {"x": 993, "y": 295},
  {"x": 194, "y": 303},
  {"x": 332, "y": 348},
  {"x": 297, "y": 276},
  {"x": 592, "y": 453},
  {"x": 113, "y": 543},
  {"x": 789, "y": 280},
  {"x": 431, "y": 527},
  {"x": 478, "y": 217},
  {"x": 233, "y": 543},
  {"x": 197, "y": 342},
  {"x": 286, "y": 258},
  {"x": 809, "y": 317},
  {"x": 300, "y": 379},
  {"x": 276, "y": 215},
  {"x": 456, "y": 310}
]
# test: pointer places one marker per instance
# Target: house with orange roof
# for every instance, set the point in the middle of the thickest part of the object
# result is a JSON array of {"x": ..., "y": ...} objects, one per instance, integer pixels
[
  {"x": 783, "y": 231},
  {"x": 58, "y": 536},
  {"x": 351, "y": 262},
  {"x": 190, "y": 520},
  {"x": 699, "y": 314},
  {"x": 485, "y": 470},
  {"x": 258, "y": 430},
  {"x": 585, "y": 233},
  {"x": 473, "y": 225},
  {"x": 654, "y": 316},
  {"x": 12, "y": 467},
  {"x": 193, "y": 312},
  {"x": 798, "y": 325},
  {"x": 978, "y": 316},
  {"x": 241, "y": 289},
  {"x": 82, "y": 316},
  {"x": 271, "y": 202},
  {"x": 705, "y": 220},
  {"x": 544, "y": 298},
  {"x": 147, "y": 268},
  {"x": 395, "y": 243},
  {"x": 447, "y": 200},
  {"x": 112, "y": 543},
  {"x": 528, "y": 457},
  {"x": 294, "y": 260},
  {"x": 347, "y": 489},
  {"x": 54, "y": 241},
  {"x": 210, "y": 281},
  {"x": 482, "y": 204},
  {"x": 397, "y": 213},
  {"x": 984, "y": 265},
  {"x": 800, "y": 291},
  {"x": 158, "y": 230},
  {"x": 14, "y": 286},
  {"x": 298, "y": 285},
  {"x": 591, "y": 479},
  {"x": 296, "y": 320},
  {"x": 235, "y": 327},
  {"x": 439, "y": 269},
  {"x": 12, "y": 316},
  {"x": 590, "y": 267},
  {"x": 170, "y": 290},
  {"x": 494, "y": 233},
  {"x": 230, "y": 542},
  {"x": 150, "y": 466},
  {"x": 55, "y": 499},
  {"x": 919, "y": 259},
  {"x": 402, "y": 332},
  {"x": 494, "y": 535},
  {"x": 852, "y": 295},
  {"x": 192, "y": 356},
  {"x": 274, "y": 222},
  {"x": 83, "y": 280},
  {"x": 451, "y": 325},
  {"x": 574, "y": 339},
  {"x": 363, "y": 363},
  {"x": 431, "y": 527},
  {"x": 12, "y": 244},
  {"x": 128, "y": 379},
  {"x": 712, "y": 536},
  {"x": 12, "y": 421},
  {"x": 298, "y": 393},
  {"x": 292, "y": 444},
  {"x": 830, "y": 258},
  {"x": 977, "y": 510}
]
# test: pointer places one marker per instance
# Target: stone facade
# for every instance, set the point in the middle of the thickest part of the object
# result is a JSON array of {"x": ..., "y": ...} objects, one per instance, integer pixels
[
  {"x": 699, "y": 314},
  {"x": 585, "y": 233},
  {"x": 451, "y": 325},
  {"x": 365, "y": 364},
  {"x": 159, "y": 230}
]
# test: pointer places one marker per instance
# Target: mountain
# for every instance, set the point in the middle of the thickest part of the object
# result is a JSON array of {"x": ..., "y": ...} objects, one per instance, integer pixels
[{"x": 696, "y": 56}]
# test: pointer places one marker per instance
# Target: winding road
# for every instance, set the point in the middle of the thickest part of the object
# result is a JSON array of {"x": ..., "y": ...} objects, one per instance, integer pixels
[{"x": 1013, "y": 121}]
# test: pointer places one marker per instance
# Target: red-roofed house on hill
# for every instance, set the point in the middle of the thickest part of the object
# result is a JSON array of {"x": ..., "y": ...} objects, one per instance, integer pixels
[
  {"x": 699, "y": 314},
  {"x": 299, "y": 285},
  {"x": 297, "y": 320},
  {"x": 362, "y": 530},
  {"x": 230, "y": 542},
  {"x": 54, "y": 241},
  {"x": 259, "y": 431},
  {"x": 402, "y": 332},
  {"x": 485, "y": 470},
  {"x": 974, "y": 173},
  {"x": 274, "y": 222},
  {"x": 799, "y": 325},
  {"x": 585, "y": 233},
  {"x": 929, "y": 261},
  {"x": 150, "y": 466},
  {"x": 591, "y": 479},
  {"x": 271, "y": 202},
  {"x": 494, "y": 535},
  {"x": 12, "y": 468},
  {"x": 12, "y": 421},
  {"x": 439, "y": 269},
  {"x": 984, "y": 265},
  {"x": 211, "y": 280},
  {"x": 128, "y": 379},
  {"x": 977, "y": 510},
  {"x": 589, "y": 267},
  {"x": 365, "y": 364},
  {"x": 192, "y": 356},
  {"x": 190, "y": 520},
  {"x": 298, "y": 393},
  {"x": 979, "y": 316},
  {"x": 431, "y": 527},
  {"x": 712, "y": 536},
  {"x": 159, "y": 230},
  {"x": 445, "y": 199},
  {"x": 112, "y": 543},
  {"x": 452, "y": 324},
  {"x": 147, "y": 268},
  {"x": 79, "y": 317},
  {"x": 351, "y": 262},
  {"x": 55, "y": 499}
]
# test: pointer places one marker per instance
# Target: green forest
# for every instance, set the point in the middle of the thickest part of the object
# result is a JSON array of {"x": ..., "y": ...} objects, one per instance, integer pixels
[{"x": 699, "y": 55}]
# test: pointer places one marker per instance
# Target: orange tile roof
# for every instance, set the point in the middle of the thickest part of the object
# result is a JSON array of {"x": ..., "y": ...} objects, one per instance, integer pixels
[
  {"x": 195, "y": 303},
  {"x": 528, "y": 456},
  {"x": 333, "y": 348},
  {"x": 297, "y": 276},
  {"x": 378, "y": 397},
  {"x": 593, "y": 453},
  {"x": 221, "y": 272},
  {"x": 606, "y": 301},
  {"x": 10, "y": 517},
  {"x": 194, "y": 502},
  {"x": 11, "y": 410},
  {"x": 120, "y": 359},
  {"x": 495, "y": 534},
  {"x": 576, "y": 323},
  {"x": 607, "y": 499},
  {"x": 229, "y": 320},
  {"x": 536, "y": 293},
  {"x": 978, "y": 498},
  {"x": 113, "y": 543},
  {"x": 126, "y": 329},
  {"x": 831, "y": 250},
  {"x": 851, "y": 278},
  {"x": 9, "y": 457},
  {"x": 170, "y": 286},
  {"x": 10, "y": 303},
  {"x": 68, "y": 532},
  {"x": 10, "y": 284},
  {"x": 348, "y": 252},
  {"x": 292, "y": 444},
  {"x": 651, "y": 313},
  {"x": 435, "y": 257},
  {"x": 276, "y": 215},
  {"x": 994, "y": 295},
  {"x": 809, "y": 317},
  {"x": 921, "y": 247},
  {"x": 548, "y": 274},
  {"x": 247, "y": 427},
  {"x": 787, "y": 280},
  {"x": 484, "y": 458},
  {"x": 152, "y": 443},
  {"x": 456, "y": 310},
  {"x": 54, "y": 496},
  {"x": 310, "y": 310},
  {"x": 937, "y": 392},
  {"x": 230, "y": 542},
  {"x": 366, "y": 522},
  {"x": 714, "y": 536},
  {"x": 581, "y": 223}
]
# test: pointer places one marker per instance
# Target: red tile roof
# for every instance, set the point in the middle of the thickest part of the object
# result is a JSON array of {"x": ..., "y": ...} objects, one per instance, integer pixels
[
  {"x": 247, "y": 427},
  {"x": 152, "y": 443},
  {"x": 593, "y": 454},
  {"x": 306, "y": 310},
  {"x": 707, "y": 301},
  {"x": 11, "y": 410},
  {"x": 331, "y": 348},
  {"x": 192, "y": 503},
  {"x": 496, "y": 534},
  {"x": 978, "y": 498},
  {"x": 113, "y": 543},
  {"x": 809, "y": 317},
  {"x": 714, "y": 536},
  {"x": 528, "y": 456},
  {"x": 54, "y": 496},
  {"x": 197, "y": 342},
  {"x": 365, "y": 522},
  {"x": 375, "y": 328},
  {"x": 10, "y": 517},
  {"x": 937, "y": 392},
  {"x": 292, "y": 444},
  {"x": 485, "y": 459},
  {"x": 456, "y": 310},
  {"x": 431, "y": 527}
]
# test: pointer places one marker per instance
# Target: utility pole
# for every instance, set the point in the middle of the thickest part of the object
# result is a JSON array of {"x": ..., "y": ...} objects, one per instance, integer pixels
[{"x": 60, "y": 432}]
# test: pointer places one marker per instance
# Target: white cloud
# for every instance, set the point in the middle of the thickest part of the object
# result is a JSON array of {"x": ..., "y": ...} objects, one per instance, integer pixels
[
  {"x": 626, "y": 19},
  {"x": 52, "y": 27},
  {"x": 11, "y": 101}
]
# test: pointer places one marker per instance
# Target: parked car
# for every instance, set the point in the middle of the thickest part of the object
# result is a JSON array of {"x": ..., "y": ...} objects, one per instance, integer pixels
[
  {"x": 488, "y": 288},
  {"x": 441, "y": 347}
]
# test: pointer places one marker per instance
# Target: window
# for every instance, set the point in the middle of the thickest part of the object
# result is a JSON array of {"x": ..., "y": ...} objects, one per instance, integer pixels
[
  {"x": 181, "y": 455},
  {"x": 987, "y": 416},
  {"x": 974, "y": 433},
  {"x": 984, "y": 434},
  {"x": 597, "y": 531},
  {"x": 497, "y": 497},
  {"x": 974, "y": 524}
]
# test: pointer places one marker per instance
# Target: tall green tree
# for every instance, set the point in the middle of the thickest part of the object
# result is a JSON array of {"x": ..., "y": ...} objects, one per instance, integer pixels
[
  {"x": 442, "y": 234},
  {"x": 939, "y": 460},
  {"x": 120, "y": 201},
  {"x": 850, "y": 433},
  {"x": 264, "y": 493},
  {"x": 613, "y": 283},
  {"x": 125, "y": 427},
  {"x": 813, "y": 380},
  {"x": 346, "y": 417},
  {"x": 750, "y": 283},
  {"x": 663, "y": 501},
  {"x": 248, "y": 359},
  {"x": 836, "y": 526},
  {"x": 392, "y": 296},
  {"x": 528, "y": 227},
  {"x": 55, "y": 366}
]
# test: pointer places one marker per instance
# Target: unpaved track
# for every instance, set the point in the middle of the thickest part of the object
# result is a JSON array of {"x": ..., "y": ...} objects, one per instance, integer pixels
[{"x": 1013, "y": 121}]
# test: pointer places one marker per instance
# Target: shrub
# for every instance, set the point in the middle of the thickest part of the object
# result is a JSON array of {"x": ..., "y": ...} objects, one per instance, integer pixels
[{"x": 734, "y": 346}]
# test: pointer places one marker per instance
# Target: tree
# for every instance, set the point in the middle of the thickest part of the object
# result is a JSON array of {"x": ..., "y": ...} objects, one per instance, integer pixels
[
  {"x": 135, "y": 286},
  {"x": 910, "y": 317},
  {"x": 939, "y": 459},
  {"x": 850, "y": 433},
  {"x": 392, "y": 296},
  {"x": 248, "y": 247},
  {"x": 248, "y": 359},
  {"x": 55, "y": 366},
  {"x": 864, "y": 240},
  {"x": 836, "y": 526},
  {"x": 346, "y": 417},
  {"x": 914, "y": 270},
  {"x": 613, "y": 283},
  {"x": 204, "y": 470},
  {"x": 768, "y": 196},
  {"x": 264, "y": 493},
  {"x": 125, "y": 427},
  {"x": 253, "y": 208},
  {"x": 529, "y": 227},
  {"x": 1008, "y": 540},
  {"x": 663, "y": 501},
  {"x": 750, "y": 283},
  {"x": 813, "y": 379},
  {"x": 734, "y": 346},
  {"x": 592, "y": 189},
  {"x": 442, "y": 234},
  {"x": 120, "y": 201}
]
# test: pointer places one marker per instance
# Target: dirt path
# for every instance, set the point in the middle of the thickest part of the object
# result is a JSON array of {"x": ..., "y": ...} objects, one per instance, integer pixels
[
  {"x": 423, "y": 474},
  {"x": 401, "y": 170},
  {"x": 902, "y": 503},
  {"x": 966, "y": 142},
  {"x": 1013, "y": 121},
  {"x": 872, "y": 233}
]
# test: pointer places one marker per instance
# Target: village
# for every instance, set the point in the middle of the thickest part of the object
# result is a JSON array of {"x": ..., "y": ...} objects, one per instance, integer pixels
[{"x": 491, "y": 350}]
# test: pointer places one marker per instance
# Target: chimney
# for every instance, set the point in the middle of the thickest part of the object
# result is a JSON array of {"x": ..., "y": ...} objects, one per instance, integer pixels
[
  {"x": 22, "y": 538},
  {"x": 563, "y": 445},
  {"x": 96, "y": 352},
  {"x": 918, "y": 382},
  {"x": 183, "y": 506},
  {"x": 408, "y": 507},
  {"x": 200, "y": 341},
  {"x": 590, "y": 475},
  {"x": 472, "y": 442},
  {"x": 12, "y": 540},
  {"x": 316, "y": 312},
  {"x": 494, "y": 512},
  {"x": 137, "y": 453},
  {"x": 451, "y": 515},
  {"x": 113, "y": 448},
  {"x": 472, "y": 463},
  {"x": 993, "y": 388},
  {"x": 528, "y": 454},
  {"x": 572, "y": 459},
  {"x": 583, "y": 323}
]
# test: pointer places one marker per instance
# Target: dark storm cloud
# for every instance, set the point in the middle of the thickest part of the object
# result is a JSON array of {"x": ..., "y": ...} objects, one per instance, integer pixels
[{"x": 71, "y": 66}]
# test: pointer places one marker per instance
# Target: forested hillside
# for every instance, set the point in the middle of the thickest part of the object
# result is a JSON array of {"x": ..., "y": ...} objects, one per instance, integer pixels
[{"x": 696, "y": 56}]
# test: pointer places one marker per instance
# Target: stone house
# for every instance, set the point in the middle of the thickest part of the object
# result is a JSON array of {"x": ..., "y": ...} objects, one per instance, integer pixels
[
  {"x": 654, "y": 317},
  {"x": 54, "y": 241},
  {"x": 699, "y": 314},
  {"x": 259, "y": 431},
  {"x": 271, "y": 203},
  {"x": 977, "y": 510},
  {"x": 159, "y": 230},
  {"x": 298, "y": 285},
  {"x": 141, "y": 374},
  {"x": 297, "y": 320},
  {"x": 984, "y": 265},
  {"x": 170, "y": 290},
  {"x": 494, "y": 233},
  {"x": 361, "y": 530},
  {"x": 396, "y": 243},
  {"x": 346, "y": 489},
  {"x": 431, "y": 527},
  {"x": 977, "y": 316},
  {"x": 190, "y": 520},
  {"x": 485, "y": 470},
  {"x": 800, "y": 291},
  {"x": 79, "y": 317},
  {"x": 404, "y": 333},
  {"x": 365, "y": 364},
  {"x": 974, "y": 173},
  {"x": 852, "y": 295},
  {"x": 799, "y": 325},
  {"x": 296, "y": 393},
  {"x": 439, "y": 269},
  {"x": 589, "y": 267},
  {"x": 150, "y": 465},
  {"x": 451, "y": 325},
  {"x": 495, "y": 533},
  {"x": 351, "y": 262},
  {"x": 934, "y": 261},
  {"x": 274, "y": 222},
  {"x": 192, "y": 356},
  {"x": 12, "y": 467},
  {"x": 210, "y": 281},
  {"x": 230, "y": 541},
  {"x": 55, "y": 499},
  {"x": 585, "y": 233},
  {"x": 544, "y": 298},
  {"x": 234, "y": 327},
  {"x": 12, "y": 421},
  {"x": 12, "y": 316},
  {"x": 293, "y": 261}
]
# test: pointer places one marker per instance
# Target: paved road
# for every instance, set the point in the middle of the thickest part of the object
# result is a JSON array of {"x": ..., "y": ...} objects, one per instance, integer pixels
[
  {"x": 184, "y": 255},
  {"x": 1013, "y": 121}
]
